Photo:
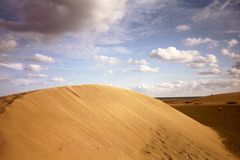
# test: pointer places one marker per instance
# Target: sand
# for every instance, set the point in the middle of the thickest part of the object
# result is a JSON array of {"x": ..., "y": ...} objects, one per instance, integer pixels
[
  {"x": 93, "y": 122},
  {"x": 206, "y": 111},
  {"x": 218, "y": 99}
]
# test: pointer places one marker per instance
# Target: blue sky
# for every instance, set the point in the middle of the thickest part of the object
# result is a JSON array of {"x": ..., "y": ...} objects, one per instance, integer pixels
[{"x": 157, "y": 47}]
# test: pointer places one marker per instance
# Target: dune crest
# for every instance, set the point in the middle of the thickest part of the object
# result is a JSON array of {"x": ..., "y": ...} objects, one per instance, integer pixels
[{"x": 93, "y": 122}]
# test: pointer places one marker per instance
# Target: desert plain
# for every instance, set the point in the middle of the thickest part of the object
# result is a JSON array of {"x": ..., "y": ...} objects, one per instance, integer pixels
[{"x": 220, "y": 112}]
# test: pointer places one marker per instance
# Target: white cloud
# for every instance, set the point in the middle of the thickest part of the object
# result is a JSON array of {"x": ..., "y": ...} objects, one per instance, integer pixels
[
  {"x": 183, "y": 28},
  {"x": 110, "y": 71},
  {"x": 7, "y": 44},
  {"x": 191, "y": 58},
  {"x": 234, "y": 72},
  {"x": 161, "y": 86},
  {"x": 42, "y": 58},
  {"x": 228, "y": 53},
  {"x": 231, "y": 43},
  {"x": 190, "y": 42},
  {"x": 196, "y": 65},
  {"x": 37, "y": 75},
  {"x": 145, "y": 68},
  {"x": 15, "y": 66},
  {"x": 34, "y": 67},
  {"x": 211, "y": 71},
  {"x": 189, "y": 88},
  {"x": 106, "y": 59},
  {"x": 20, "y": 66},
  {"x": 172, "y": 54},
  {"x": 22, "y": 82},
  {"x": 141, "y": 62},
  {"x": 58, "y": 79},
  {"x": 212, "y": 58}
]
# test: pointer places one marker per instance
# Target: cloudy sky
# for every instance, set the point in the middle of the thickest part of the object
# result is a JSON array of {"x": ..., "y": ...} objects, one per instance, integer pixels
[{"x": 157, "y": 47}]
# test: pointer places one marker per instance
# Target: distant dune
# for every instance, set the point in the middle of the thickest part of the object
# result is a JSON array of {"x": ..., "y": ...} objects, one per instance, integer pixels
[
  {"x": 217, "y": 99},
  {"x": 222, "y": 98},
  {"x": 93, "y": 122},
  {"x": 220, "y": 112}
]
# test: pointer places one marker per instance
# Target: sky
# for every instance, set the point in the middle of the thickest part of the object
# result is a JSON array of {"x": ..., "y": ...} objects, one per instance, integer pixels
[{"x": 160, "y": 48}]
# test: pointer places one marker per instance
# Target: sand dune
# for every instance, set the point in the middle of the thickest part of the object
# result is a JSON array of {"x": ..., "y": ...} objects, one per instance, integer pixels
[
  {"x": 221, "y": 98},
  {"x": 93, "y": 122},
  {"x": 220, "y": 112},
  {"x": 217, "y": 99}
]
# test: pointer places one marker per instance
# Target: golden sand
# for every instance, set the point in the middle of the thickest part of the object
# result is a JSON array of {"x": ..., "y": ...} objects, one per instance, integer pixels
[{"x": 93, "y": 122}]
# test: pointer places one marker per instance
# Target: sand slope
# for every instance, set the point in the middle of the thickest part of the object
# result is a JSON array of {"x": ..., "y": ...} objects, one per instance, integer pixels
[{"x": 93, "y": 122}]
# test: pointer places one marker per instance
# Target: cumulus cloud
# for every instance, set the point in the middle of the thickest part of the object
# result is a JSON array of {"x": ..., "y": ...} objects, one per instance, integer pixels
[
  {"x": 231, "y": 43},
  {"x": 191, "y": 42},
  {"x": 140, "y": 62},
  {"x": 212, "y": 58},
  {"x": 15, "y": 66},
  {"x": 143, "y": 68},
  {"x": 234, "y": 72},
  {"x": 37, "y": 75},
  {"x": 161, "y": 86},
  {"x": 34, "y": 67},
  {"x": 182, "y": 28},
  {"x": 191, "y": 58},
  {"x": 228, "y": 53},
  {"x": 196, "y": 65},
  {"x": 211, "y": 71},
  {"x": 106, "y": 59},
  {"x": 172, "y": 54},
  {"x": 58, "y": 79},
  {"x": 7, "y": 44},
  {"x": 58, "y": 16},
  {"x": 42, "y": 58},
  {"x": 189, "y": 88}
]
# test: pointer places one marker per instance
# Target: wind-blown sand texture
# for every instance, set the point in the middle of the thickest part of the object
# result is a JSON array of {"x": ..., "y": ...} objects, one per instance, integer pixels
[{"x": 94, "y": 122}]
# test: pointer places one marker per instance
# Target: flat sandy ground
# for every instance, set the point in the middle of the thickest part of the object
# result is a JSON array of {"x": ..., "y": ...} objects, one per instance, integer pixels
[{"x": 206, "y": 110}]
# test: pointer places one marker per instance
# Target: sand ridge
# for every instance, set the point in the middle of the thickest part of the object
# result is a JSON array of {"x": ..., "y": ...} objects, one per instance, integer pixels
[{"x": 101, "y": 122}]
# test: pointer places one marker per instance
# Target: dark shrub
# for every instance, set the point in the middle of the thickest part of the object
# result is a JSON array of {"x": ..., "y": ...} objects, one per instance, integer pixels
[{"x": 231, "y": 102}]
